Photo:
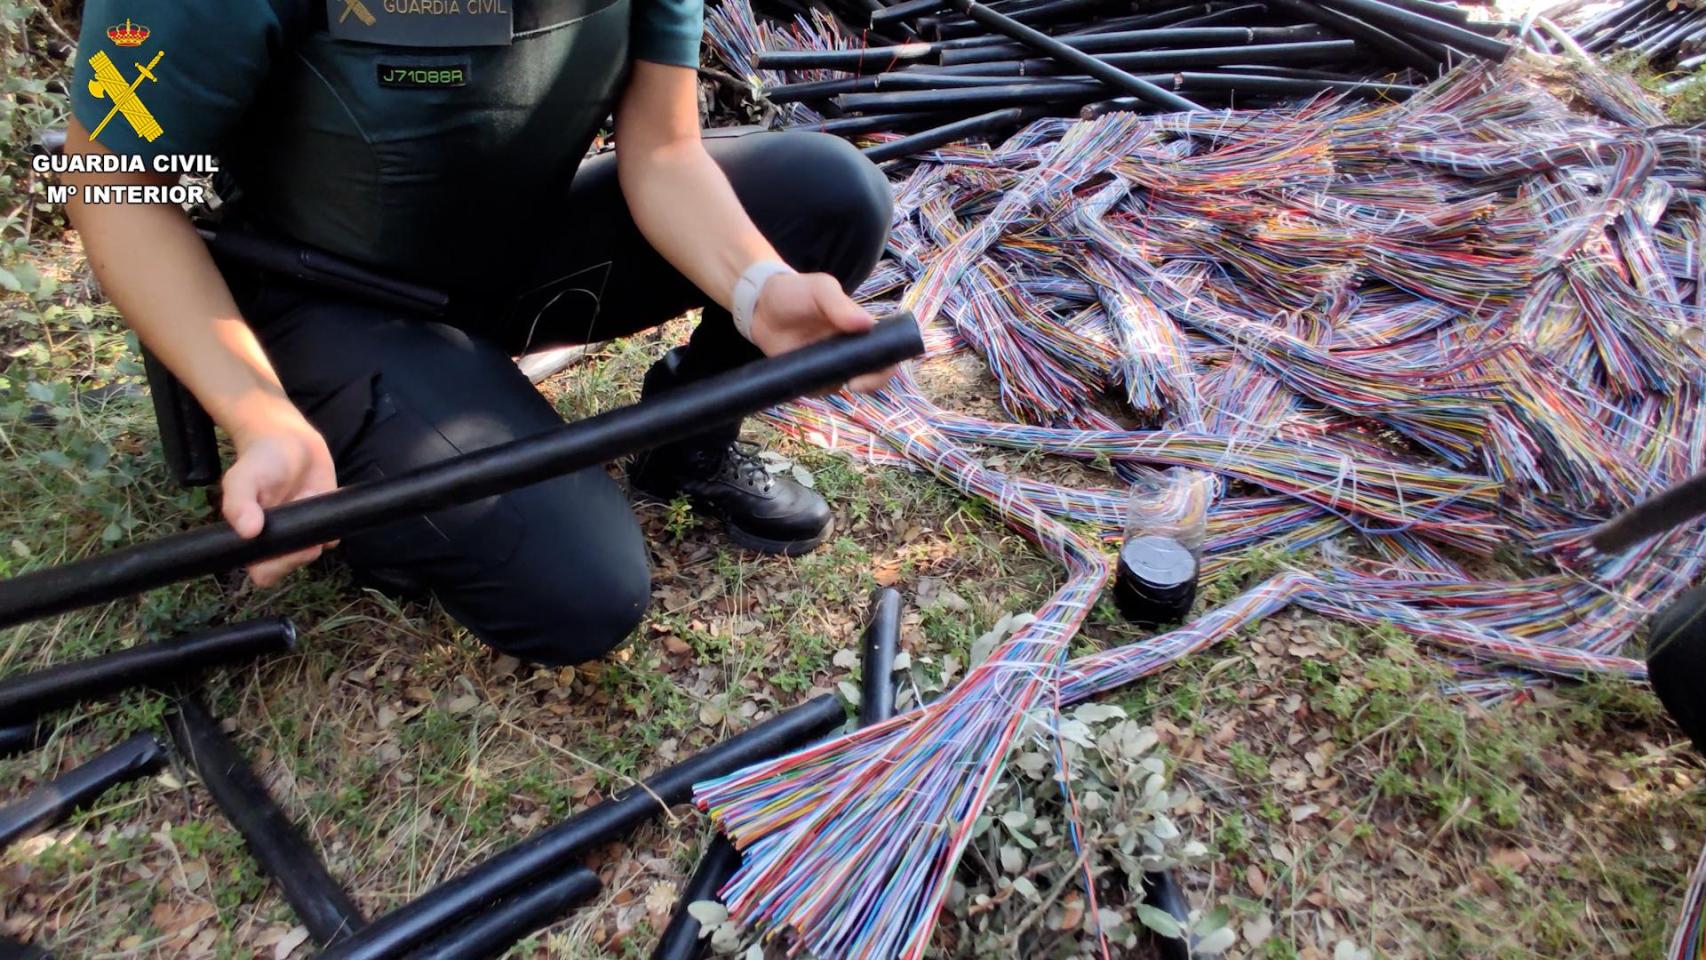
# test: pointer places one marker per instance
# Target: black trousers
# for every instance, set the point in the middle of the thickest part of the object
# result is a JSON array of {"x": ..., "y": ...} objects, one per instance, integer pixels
[{"x": 556, "y": 573}]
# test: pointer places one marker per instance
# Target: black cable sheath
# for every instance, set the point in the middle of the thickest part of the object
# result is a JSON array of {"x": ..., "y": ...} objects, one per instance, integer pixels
[
  {"x": 1161, "y": 891},
  {"x": 53, "y": 801},
  {"x": 11, "y": 949},
  {"x": 494, "y": 931},
  {"x": 681, "y": 940},
  {"x": 906, "y": 10},
  {"x": 1130, "y": 41},
  {"x": 1370, "y": 36},
  {"x": 551, "y": 849},
  {"x": 881, "y": 645},
  {"x": 877, "y": 123},
  {"x": 899, "y": 80},
  {"x": 669, "y": 416},
  {"x": 1310, "y": 53},
  {"x": 954, "y": 132},
  {"x": 281, "y": 850},
  {"x": 21, "y": 737},
  {"x": 995, "y": 98},
  {"x": 26, "y": 696},
  {"x": 1101, "y": 70},
  {"x": 1665, "y": 510},
  {"x": 1405, "y": 23}
]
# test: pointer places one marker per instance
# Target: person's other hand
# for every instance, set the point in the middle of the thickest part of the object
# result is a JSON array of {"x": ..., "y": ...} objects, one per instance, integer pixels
[
  {"x": 279, "y": 459},
  {"x": 795, "y": 309}
]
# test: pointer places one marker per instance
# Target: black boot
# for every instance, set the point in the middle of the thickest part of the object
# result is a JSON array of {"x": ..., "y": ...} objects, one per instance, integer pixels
[
  {"x": 725, "y": 478},
  {"x": 1676, "y": 661}
]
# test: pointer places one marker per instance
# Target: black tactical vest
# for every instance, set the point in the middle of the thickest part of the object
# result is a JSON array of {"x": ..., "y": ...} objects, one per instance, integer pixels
[{"x": 425, "y": 161}]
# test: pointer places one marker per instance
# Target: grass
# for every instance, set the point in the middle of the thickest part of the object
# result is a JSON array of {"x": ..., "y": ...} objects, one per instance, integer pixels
[
  {"x": 1683, "y": 93},
  {"x": 1352, "y": 798},
  {"x": 406, "y": 751},
  {"x": 404, "y": 748}
]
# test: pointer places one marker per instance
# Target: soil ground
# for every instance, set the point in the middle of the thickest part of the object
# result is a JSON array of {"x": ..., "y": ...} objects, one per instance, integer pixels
[{"x": 1348, "y": 803}]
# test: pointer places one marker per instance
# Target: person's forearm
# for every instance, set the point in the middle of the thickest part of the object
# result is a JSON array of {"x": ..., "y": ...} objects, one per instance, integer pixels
[
  {"x": 686, "y": 209},
  {"x": 155, "y": 268}
]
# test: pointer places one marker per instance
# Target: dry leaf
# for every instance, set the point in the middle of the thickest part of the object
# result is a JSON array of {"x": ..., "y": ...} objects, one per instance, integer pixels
[
  {"x": 1072, "y": 913},
  {"x": 660, "y": 900},
  {"x": 1257, "y": 880},
  {"x": 1257, "y": 930},
  {"x": 288, "y": 943},
  {"x": 1511, "y": 859}
]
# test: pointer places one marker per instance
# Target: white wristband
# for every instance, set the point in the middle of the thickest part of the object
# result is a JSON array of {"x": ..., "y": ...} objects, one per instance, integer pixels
[{"x": 747, "y": 289}]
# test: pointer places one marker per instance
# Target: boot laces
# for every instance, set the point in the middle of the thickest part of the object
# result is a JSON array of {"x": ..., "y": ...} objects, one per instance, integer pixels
[{"x": 742, "y": 465}]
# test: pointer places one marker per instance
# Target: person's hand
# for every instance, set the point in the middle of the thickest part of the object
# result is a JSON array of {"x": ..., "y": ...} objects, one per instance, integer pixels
[
  {"x": 280, "y": 458},
  {"x": 795, "y": 309}
]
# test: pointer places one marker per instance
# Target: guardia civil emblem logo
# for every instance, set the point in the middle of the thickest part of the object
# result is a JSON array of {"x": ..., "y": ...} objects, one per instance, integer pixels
[{"x": 110, "y": 84}]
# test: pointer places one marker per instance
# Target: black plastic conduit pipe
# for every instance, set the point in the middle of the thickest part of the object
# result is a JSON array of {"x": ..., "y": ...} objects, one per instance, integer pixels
[
  {"x": 21, "y": 737},
  {"x": 555, "y": 847},
  {"x": 876, "y": 123},
  {"x": 1043, "y": 14},
  {"x": 881, "y": 646},
  {"x": 1372, "y": 37},
  {"x": 1113, "y": 77},
  {"x": 681, "y": 940},
  {"x": 1404, "y": 22},
  {"x": 861, "y": 61},
  {"x": 1196, "y": 15},
  {"x": 904, "y": 80},
  {"x": 981, "y": 125},
  {"x": 1161, "y": 891},
  {"x": 1133, "y": 40},
  {"x": 1039, "y": 93},
  {"x": 53, "y": 801},
  {"x": 1430, "y": 8},
  {"x": 1290, "y": 86},
  {"x": 906, "y": 10},
  {"x": 1101, "y": 108},
  {"x": 997, "y": 96},
  {"x": 494, "y": 931},
  {"x": 280, "y": 849},
  {"x": 18, "y": 950},
  {"x": 25, "y": 697},
  {"x": 865, "y": 60},
  {"x": 1298, "y": 54},
  {"x": 1180, "y": 16},
  {"x": 474, "y": 476}
]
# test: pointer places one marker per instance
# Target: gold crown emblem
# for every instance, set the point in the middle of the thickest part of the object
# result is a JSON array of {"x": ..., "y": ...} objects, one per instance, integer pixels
[{"x": 127, "y": 34}]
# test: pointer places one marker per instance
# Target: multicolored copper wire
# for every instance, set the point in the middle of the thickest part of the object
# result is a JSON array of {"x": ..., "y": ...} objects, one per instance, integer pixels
[{"x": 1450, "y": 336}]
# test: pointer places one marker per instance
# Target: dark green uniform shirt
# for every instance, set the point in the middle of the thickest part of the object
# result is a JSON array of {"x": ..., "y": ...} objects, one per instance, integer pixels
[
  {"x": 215, "y": 56},
  {"x": 426, "y": 151}
]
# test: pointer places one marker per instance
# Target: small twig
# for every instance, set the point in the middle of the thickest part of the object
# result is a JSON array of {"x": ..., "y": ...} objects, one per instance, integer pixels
[
  {"x": 1054, "y": 893},
  {"x": 726, "y": 79},
  {"x": 29, "y": 205},
  {"x": 55, "y": 26}
]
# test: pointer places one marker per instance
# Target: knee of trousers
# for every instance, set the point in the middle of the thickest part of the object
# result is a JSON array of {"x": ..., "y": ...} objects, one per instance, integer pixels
[
  {"x": 549, "y": 616},
  {"x": 848, "y": 200}
]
